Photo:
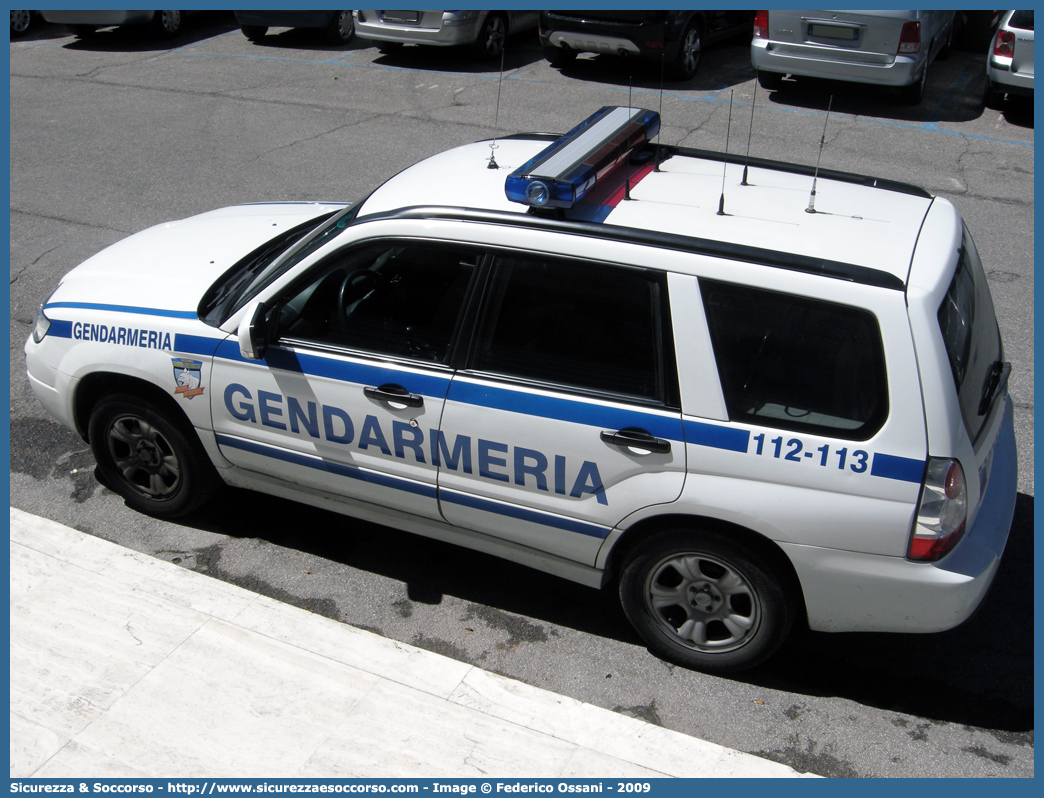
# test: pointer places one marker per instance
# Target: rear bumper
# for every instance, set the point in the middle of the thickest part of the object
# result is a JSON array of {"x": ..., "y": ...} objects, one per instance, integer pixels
[
  {"x": 611, "y": 39},
  {"x": 451, "y": 32},
  {"x": 852, "y": 592},
  {"x": 821, "y": 62},
  {"x": 1002, "y": 78},
  {"x": 97, "y": 17}
]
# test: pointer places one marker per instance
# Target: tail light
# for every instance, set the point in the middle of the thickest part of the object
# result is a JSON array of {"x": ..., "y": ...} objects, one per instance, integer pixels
[
  {"x": 1004, "y": 44},
  {"x": 943, "y": 511},
  {"x": 761, "y": 29},
  {"x": 910, "y": 39}
]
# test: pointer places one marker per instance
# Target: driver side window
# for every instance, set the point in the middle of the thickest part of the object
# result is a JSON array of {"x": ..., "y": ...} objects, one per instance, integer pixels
[{"x": 391, "y": 298}]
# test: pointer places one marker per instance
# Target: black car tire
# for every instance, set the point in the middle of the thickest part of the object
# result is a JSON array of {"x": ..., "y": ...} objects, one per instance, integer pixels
[
  {"x": 700, "y": 600},
  {"x": 167, "y": 23},
  {"x": 155, "y": 463},
  {"x": 559, "y": 56},
  {"x": 254, "y": 32},
  {"x": 690, "y": 47},
  {"x": 991, "y": 97},
  {"x": 491, "y": 38},
  {"x": 770, "y": 81},
  {"x": 341, "y": 28},
  {"x": 914, "y": 93},
  {"x": 21, "y": 21}
]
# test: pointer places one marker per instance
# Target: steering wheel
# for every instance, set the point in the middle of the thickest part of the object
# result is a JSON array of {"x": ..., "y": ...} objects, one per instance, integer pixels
[{"x": 353, "y": 288}]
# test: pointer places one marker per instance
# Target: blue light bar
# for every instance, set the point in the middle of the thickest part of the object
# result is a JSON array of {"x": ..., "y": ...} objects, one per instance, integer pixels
[{"x": 563, "y": 173}]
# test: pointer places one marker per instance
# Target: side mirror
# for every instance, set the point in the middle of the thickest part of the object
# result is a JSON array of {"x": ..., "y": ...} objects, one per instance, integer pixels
[{"x": 253, "y": 337}]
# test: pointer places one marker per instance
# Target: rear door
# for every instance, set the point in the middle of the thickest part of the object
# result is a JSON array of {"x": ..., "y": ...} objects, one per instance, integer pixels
[{"x": 565, "y": 419}]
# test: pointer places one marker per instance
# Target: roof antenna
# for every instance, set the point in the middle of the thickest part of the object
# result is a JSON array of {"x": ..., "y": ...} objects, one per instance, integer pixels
[
  {"x": 656, "y": 157},
  {"x": 812, "y": 197},
  {"x": 496, "y": 118},
  {"x": 746, "y": 159},
  {"x": 725, "y": 162}
]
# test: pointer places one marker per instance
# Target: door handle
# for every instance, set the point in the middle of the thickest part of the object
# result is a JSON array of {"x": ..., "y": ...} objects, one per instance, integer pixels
[
  {"x": 636, "y": 438},
  {"x": 390, "y": 392}
]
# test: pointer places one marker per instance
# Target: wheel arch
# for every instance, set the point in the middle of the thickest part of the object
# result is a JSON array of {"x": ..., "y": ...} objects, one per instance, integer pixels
[
  {"x": 750, "y": 540},
  {"x": 98, "y": 384}
]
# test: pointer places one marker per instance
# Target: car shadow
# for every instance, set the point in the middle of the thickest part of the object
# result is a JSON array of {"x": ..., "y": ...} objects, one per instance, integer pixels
[
  {"x": 519, "y": 52},
  {"x": 141, "y": 39},
  {"x": 979, "y": 674}
]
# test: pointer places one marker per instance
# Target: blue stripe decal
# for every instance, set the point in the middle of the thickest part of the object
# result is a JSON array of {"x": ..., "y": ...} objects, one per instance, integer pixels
[
  {"x": 351, "y": 472},
  {"x": 563, "y": 409},
  {"x": 343, "y": 371},
  {"x": 196, "y": 344},
  {"x": 170, "y": 314},
  {"x": 60, "y": 329},
  {"x": 523, "y": 514},
  {"x": 902, "y": 468},
  {"x": 717, "y": 437}
]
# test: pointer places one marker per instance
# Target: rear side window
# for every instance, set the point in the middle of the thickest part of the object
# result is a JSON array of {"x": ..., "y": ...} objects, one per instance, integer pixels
[
  {"x": 797, "y": 363},
  {"x": 592, "y": 327},
  {"x": 970, "y": 333}
]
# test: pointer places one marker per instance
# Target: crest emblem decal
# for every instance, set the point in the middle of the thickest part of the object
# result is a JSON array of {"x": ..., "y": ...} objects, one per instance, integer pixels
[{"x": 187, "y": 377}]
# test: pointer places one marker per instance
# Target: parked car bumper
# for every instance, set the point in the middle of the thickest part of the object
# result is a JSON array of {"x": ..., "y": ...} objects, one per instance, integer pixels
[
  {"x": 1002, "y": 78},
  {"x": 454, "y": 28},
  {"x": 820, "y": 62},
  {"x": 97, "y": 17}
]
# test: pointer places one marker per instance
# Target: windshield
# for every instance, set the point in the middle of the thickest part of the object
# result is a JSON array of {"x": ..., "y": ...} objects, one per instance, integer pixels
[{"x": 267, "y": 262}]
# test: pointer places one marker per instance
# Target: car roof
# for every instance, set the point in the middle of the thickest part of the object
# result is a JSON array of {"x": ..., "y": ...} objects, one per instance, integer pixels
[{"x": 859, "y": 221}]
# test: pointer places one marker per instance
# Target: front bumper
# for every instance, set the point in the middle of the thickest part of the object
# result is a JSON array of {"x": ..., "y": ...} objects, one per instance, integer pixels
[
  {"x": 812, "y": 61},
  {"x": 853, "y": 592},
  {"x": 52, "y": 387}
]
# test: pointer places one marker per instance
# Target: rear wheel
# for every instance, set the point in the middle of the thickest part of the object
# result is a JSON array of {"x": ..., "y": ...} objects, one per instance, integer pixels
[
  {"x": 559, "y": 56},
  {"x": 702, "y": 601},
  {"x": 167, "y": 23},
  {"x": 770, "y": 81},
  {"x": 20, "y": 22},
  {"x": 341, "y": 28},
  {"x": 491, "y": 39},
  {"x": 689, "y": 50},
  {"x": 254, "y": 32},
  {"x": 157, "y": 465},
  {"x": 914, "y": 93}
]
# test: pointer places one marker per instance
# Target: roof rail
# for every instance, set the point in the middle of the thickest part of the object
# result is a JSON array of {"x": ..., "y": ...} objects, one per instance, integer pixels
[{"x": 702, "y": 246}]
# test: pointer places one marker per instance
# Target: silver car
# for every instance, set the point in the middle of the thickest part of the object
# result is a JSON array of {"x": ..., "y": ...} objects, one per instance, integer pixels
[
  {"x": 483, "y": 31},
  {"x": 884, "y": 48},
  {"x": 1009, "y": 63}
]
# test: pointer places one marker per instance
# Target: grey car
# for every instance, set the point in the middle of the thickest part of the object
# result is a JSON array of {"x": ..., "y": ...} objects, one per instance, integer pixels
[
  {"x": 1009, "y": 63},
  {"x": 84, "y": 23},
  {"x": 883, "y": 48},
  {"x": 484, "y": 32}
]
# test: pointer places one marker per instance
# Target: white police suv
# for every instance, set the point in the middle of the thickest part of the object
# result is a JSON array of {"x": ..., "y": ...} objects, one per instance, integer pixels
[{"x": 788, "y": 404}]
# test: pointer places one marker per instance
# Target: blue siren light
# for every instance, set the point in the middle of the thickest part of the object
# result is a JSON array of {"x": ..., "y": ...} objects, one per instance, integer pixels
[{"x": 565, "y": 171}]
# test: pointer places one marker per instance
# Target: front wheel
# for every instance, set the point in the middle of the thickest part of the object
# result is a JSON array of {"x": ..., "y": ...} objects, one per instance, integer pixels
[
  {"x": 341, "y": 28},
  {"x": 158, "y": 466},
  {"x": 702, "y": 601},
  {"x": 254, "y": 32}
]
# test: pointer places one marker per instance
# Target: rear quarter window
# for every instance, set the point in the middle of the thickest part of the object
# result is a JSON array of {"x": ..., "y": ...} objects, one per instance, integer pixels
[{"x": 797, "y": 363}]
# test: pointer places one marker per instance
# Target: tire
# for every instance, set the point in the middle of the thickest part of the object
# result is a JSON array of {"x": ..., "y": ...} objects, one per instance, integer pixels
[
  {"x": 491, "y": 38},
  {"x": 991, "y": 97},
  {"x": 914, "y": 93},
  {"x": 157, "y": 465},
  {"x": 687, "y": 61},
  {"x": 771, "y": 81},
  {"x": 167, "y": 23},
  {"x": 559, "y": 56},
  {"x": 254, "y": 32},
  {"x": 21, "y": 21},
  {"x": 341, "y": 28},
  {"x": 731, "y": 613}
]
